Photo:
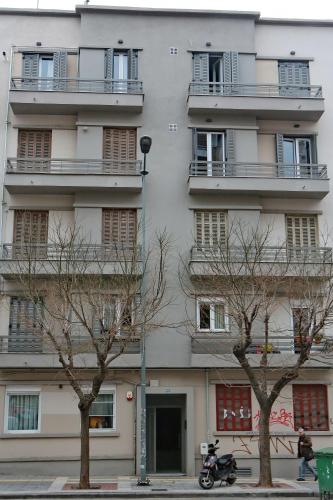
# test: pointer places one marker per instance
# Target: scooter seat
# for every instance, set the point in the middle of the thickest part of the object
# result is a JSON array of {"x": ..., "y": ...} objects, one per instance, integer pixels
[{"x": 227, "y": 456}]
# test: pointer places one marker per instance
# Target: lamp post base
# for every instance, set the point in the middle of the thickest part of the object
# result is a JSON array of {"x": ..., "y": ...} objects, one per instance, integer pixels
[{"x": 143, "y": 482}]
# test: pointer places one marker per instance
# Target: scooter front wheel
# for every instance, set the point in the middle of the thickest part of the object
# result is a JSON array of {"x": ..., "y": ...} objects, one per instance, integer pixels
[{"x": 206, "y": 481}]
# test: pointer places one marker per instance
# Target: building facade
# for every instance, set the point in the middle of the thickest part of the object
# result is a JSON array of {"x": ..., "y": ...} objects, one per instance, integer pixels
[{"x": 238, "y": 108}]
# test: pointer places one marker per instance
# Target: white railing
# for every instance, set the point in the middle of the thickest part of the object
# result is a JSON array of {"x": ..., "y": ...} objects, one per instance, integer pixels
[
  {"x": 257, "y": 170},
  {"x": 72, "y": 166}
]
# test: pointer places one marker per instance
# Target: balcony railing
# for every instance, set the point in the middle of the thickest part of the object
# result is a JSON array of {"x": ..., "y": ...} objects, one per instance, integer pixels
[
  {"x": 269, "y": 254},
  {"x": 260, "y": 170},
  {"x": 278, "y": 344},
  {"x": 84, "y": 252},
  {"x": 73, "y": 166},
  {"x": 255, "y": 90},
  {"x": 77, "y": 85},
  {"x": 29, "y": 343}
]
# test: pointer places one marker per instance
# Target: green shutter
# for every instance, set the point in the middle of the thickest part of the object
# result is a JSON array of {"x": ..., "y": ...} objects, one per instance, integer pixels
[
  {"x": 279, "y": 148},
  {"x": 201, "y": 67},
  {"x": 30, "y": 65},
  {"x": 234, "y": 67},
  {"x": 109, "y": 64}
]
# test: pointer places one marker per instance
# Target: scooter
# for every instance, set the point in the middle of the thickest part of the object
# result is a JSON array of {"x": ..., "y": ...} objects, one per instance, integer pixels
[{"x": 217, "y": 469}]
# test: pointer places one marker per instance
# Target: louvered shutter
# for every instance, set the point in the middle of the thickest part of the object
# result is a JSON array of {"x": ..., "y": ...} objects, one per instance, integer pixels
[
  {"x": 201, "y": 72},
  {"x": 30, "y": 233},
  {"x": 210, "y": 227},
  {"x": 24, "y": 325},
  {"x": 293, "y": 73},
  {"x": 133, "y": 64},
  {"x": 30, "y": 70},
  {"x": 34, "y": 144},
  {"x": 194, "y": 144},
  {"x": 119, "y": 146},
  {"x": 230, "y": 146},
  {"x": 59, "y": 70},
  {"x": 279, "y": 148},
  {"x": 119, "y": 227},
  {"x": 234, "y": 67},
  {"x": 302, "y": 231}
]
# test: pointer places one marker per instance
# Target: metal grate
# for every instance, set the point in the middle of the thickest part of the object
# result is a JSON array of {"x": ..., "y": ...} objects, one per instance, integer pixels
[
  {"x": 173, "y": 127},
  {"x": 244, "y": 472},
  {"x": 173, "y": 51}
]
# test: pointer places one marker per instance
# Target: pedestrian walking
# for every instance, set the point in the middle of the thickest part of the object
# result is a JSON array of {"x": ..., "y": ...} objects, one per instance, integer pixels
[{"x": 305, "y": 453}]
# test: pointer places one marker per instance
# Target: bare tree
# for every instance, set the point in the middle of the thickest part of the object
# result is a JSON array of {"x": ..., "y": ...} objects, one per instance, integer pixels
[
  {"x": 254, "y": 281},
  {"x": 90, "y": 306}
]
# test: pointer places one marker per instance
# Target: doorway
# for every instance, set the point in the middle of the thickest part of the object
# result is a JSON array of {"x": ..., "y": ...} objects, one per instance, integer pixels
[{"x": 166, "y": 433}]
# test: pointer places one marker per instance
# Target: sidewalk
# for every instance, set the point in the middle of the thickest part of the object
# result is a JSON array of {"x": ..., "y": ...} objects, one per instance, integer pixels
[{"x": 126, "y": 487}]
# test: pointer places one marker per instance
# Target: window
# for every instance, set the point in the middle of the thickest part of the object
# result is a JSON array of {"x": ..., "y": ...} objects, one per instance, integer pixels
[
  {"x": 115, "y": 314},
  {"x": 218, "y": 69},
  {"x": 212, "y": 315},
  {"x": 310, "y": 407},
  {"x": 233, "y": 408},
  {"x": 34, "y": 149},
  {"x": 45, "y": 70},
  {"x": 30, "y": 233},
  {"x": 25, "y": 334},
  {"x": 102, "y": 412},
  {"x": 302, "y": 231},
  {"x": 297, "y": 156},
  {"x": 301, "y": 326},
  {"x": 213, "y": 152},
  {"x": 119, "y": 227},
  {"x": 121, "y": 66},
  {"x": 210, "y": 228},
  {"x": 119, "y": 146},
  {"x": 294, "y": 78},
  {"x": 22, "y": 410}
]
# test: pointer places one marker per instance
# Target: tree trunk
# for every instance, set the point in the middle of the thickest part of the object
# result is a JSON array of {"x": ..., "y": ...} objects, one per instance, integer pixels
[
  {"x": 265, "y": 478},
  {"x": 84, "y": 470}
]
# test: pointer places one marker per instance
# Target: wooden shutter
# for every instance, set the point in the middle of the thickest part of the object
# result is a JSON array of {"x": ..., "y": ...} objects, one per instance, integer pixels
[
  {"x": 31, "y": 226},
  {"x": 34, "y": 143},
  {"x": 119, "y": 226},
  {"x": 133, "y": 64},
  {"x": 210, "y": 228},
  {"x": 30, "y": 65},
  {"x": 230, "y": 146},
  {"x": 119, "y": 144},
  {"x": 302, "y": 230}
]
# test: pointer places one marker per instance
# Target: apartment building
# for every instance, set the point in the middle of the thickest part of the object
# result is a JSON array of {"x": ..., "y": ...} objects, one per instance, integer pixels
[{"x": 238, "y": 109}]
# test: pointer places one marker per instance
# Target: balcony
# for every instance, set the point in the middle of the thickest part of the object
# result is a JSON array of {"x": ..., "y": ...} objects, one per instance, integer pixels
[
  {"x": 309, "y": 262},
  {"x": 33, "y": 350},
  {"x": 282, "y": 349},
  {"x": 55, "y": 176},
  {"x": 276, "y": 102},
  {"x": 51, "y": 259},
  {"x": 71, "y": 95},
  {"x": 260, "y": 179}
]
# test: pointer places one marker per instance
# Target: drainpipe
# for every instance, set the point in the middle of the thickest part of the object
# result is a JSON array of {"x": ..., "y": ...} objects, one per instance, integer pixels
[{"x": 208, "y": 433}]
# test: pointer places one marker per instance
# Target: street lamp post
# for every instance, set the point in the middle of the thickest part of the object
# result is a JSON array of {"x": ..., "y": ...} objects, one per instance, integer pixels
[{"x": 145, "y": 144}]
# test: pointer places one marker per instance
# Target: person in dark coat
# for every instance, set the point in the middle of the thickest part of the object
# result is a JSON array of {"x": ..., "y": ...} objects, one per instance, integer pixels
[{"x": 305, "y": 453}]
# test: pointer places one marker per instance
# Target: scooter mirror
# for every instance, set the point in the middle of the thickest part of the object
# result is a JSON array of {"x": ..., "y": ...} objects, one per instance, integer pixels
[{"x": 217, "y": 441}]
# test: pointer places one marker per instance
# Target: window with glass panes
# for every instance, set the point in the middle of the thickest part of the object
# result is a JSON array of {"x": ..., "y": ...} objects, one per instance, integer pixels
[
  {"x": 310, "y": 407},
  {"x": 211, "y": 315},
  {"x": 101, "y": 415},
  {"x": 22, "y": 412},
  {"x": 233, "y": 408}
]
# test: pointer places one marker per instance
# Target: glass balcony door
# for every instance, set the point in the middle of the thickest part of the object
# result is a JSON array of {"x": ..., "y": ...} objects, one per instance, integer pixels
[
  {"x": 120, "y": 71},
  {"x": 45, "y": 72},
  {"x": 296, "y": 155},
  {"x": 211, "y": 152}
]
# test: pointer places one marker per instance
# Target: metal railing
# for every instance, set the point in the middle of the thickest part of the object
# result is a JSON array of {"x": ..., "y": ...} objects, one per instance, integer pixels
[
  {"x": 77, "y": 85},
  {"x": 73, "y": 166},
  {"x": 84, "y": 252},
  {"x": 29, "y": 343},
  {"x": 286, "y": 343},
  {"x": 260, "y": 170},
  {"x": 269, "y": 254},
  {"x": 255, "y": 90}
]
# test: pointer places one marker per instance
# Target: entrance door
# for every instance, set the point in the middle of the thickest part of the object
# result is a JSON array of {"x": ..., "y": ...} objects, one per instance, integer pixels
[{"x": 165, "y": 433}]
